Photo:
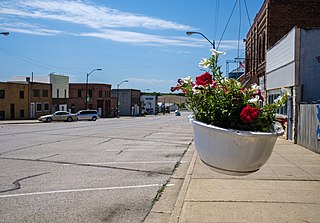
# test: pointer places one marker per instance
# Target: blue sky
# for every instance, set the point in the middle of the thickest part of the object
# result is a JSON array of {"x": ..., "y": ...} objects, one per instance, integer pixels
[{"x": 142, "y": 41}]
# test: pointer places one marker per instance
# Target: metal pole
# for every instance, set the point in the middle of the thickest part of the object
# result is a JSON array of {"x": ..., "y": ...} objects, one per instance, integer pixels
[
  {"x": 87, "y": 80},
  {"x": 118, "y": 100},
  {"x": 211, "y": 42},
  {"x": 87, "y": 91}
]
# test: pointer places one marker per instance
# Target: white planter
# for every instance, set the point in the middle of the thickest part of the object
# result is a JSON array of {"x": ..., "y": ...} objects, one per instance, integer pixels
[{"x": 233, "y": 152}]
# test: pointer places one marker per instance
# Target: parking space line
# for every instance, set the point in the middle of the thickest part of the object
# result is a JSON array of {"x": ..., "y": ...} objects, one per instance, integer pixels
[{"x": 81, "y": 190}]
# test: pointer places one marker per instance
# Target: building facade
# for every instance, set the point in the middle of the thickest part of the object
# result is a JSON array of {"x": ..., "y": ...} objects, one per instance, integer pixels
[
  {"x": 149, "y": 104},
  {"x": 274, "y": 20},
  {"x": 99, "y": 98},
  {"x": 60, "y": 91},
  {"x": 292, "y": 64},
  {"x": 24, "y": 100},
  {"x": 128, "y": 101},
  {"x": 40, "y": 99}
]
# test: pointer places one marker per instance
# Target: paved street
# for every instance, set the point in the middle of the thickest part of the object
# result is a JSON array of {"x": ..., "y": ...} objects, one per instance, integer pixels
[{"x": 105, "y": 171}]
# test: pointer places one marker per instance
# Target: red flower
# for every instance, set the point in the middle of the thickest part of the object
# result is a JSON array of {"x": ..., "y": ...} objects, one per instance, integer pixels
[
  {"x": 249, "y": 114},
  {"x": 204, "y": 79},
  {"x": 176, "y": 88},
  {"x": 259, "y": 94}
]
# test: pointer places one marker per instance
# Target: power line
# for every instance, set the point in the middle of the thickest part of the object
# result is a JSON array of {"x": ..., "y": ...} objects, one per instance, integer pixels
[
  {"x": 33, "y": 61},
  {"x": 245, "y": 3},
  {"x": 227, "y": 23}
]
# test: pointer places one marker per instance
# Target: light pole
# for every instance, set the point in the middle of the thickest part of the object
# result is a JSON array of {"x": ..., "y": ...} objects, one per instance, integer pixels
[
  {"x": 88, "y": 74},
  {"x": 118, "y": 96},
  {"x": 211, "y": 42},
  {"x": 5, "y": 33}
]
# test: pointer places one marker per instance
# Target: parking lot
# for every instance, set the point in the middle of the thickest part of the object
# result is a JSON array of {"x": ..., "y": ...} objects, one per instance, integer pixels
[{"x": 104, "y": 171}]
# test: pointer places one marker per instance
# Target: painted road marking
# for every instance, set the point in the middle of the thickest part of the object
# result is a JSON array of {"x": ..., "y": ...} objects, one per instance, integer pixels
[
  {"x": 141, "y": 162},
  {"x": 83, "y": 190}
]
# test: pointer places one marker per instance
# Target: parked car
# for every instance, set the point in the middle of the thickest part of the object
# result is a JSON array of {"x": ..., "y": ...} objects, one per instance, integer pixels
[
  {"x": 177, "y": 113},
  {"x": 59, "y": 116},
  {"x": 91, "y": 115}
]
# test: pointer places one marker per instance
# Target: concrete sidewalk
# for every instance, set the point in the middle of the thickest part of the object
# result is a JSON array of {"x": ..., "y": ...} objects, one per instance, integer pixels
[{"x": 286, "y": 189}]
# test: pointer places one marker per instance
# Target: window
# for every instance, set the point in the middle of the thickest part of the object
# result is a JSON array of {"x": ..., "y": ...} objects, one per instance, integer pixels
[
  {"x": 45, "y": 93},
  {"x": 21, "y": 94},
  {"x": 79, "y": 93},
  {"x": 57, "y": 93},
  {"x": 2, "y": 93},
  {"x": 1, "y": 115},
  {"x": 65, "y": 93},
  {"x": 272, "y": 97},
  {"x": 100, "y": 94},
  {"x": 38, "y": 107},
  {"x": 90, "y": 93},
  {"x": 45, "y": 106},
  {"x": 36, "y": 93},
  {"x": 21, "y": 113}
]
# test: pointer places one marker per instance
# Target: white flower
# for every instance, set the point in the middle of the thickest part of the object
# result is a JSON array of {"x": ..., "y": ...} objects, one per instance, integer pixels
[
  {"x": 216, "y": 53},
  {"x": 285, "y": 91},
  {"x": 187, "y": 80},
  {"x": 204, "y": 63},
  {"x": 254, "y": 101},
  {"x": 255, "y": 87}
]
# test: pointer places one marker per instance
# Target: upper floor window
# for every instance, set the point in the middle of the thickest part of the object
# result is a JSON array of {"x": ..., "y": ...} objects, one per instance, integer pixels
[
  {"x": 45, "y": 93},
  {"x": 36, "y": 93},
  {"x": 21, "y": 94},
  {"x": 58, "y": 93},
  {"x": 90, "y": 93},
  {"x": 100, "y": 94},
  {"x": 2, "y": 93},
  {"x": 79, "y": 93}
]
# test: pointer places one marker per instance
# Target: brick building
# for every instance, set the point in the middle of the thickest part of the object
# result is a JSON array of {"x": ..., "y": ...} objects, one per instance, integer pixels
[
  {"x": 274, "y": 20},
  {"x": 99, "y": 98},
  {"x": 40, "y": 99}
]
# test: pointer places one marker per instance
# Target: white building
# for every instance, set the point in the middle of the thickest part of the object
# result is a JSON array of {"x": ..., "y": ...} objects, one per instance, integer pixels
[
  {"x": 294, "y": 63},
  {"x": 149, "y": 104}
]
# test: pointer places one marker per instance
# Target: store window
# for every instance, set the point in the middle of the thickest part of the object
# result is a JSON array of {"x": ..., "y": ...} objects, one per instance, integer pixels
[
  {"x": 38, "y": 107},
  {"x": 46, "y": 106},
  {"x": 272, "y": 96}
]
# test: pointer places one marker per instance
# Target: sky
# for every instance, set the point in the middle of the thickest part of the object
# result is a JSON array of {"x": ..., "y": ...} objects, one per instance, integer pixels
[{"x": 142, "y": 41}]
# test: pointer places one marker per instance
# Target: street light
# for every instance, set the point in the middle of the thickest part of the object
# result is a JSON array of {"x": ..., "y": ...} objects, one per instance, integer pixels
[
  {"x": 211, "y": 42},
  {"x": 118, "y": 96},
  {"x": 5, "y": 33},
  {"x": 87, "y": 97}
]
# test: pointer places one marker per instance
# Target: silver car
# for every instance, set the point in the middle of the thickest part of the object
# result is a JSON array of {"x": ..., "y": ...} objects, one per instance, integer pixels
[
  {"x": 59, "y": 116},
  {"x": 91, "y": 115}
]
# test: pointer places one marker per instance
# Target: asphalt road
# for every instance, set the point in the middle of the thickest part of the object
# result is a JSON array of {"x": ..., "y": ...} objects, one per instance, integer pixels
[{"x": 105, "y": 171}]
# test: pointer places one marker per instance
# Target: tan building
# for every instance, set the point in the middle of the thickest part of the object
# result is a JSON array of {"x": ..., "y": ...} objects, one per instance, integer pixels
[
  {"x": 24, "y": 100},
  {"x": 14, "y": 101}
]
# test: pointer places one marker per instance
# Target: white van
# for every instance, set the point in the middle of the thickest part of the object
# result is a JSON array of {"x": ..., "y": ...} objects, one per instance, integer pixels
[{"x": 91, "y": 115}]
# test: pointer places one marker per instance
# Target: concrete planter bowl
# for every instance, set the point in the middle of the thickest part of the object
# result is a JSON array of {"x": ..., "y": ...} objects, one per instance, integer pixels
[{"x": 233, "y": 152}]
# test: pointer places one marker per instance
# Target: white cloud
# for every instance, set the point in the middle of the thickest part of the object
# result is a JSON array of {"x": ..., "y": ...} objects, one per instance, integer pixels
[
  {"x": 103, "y": 22},
  {"x": 88, "y": 14},
  {"x": 23, "y": 27}
]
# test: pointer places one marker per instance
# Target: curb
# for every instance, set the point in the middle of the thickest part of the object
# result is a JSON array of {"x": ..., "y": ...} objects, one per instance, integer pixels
[
  {"x": 176, "y": 214},
  {"x": 168, "y": 207}
]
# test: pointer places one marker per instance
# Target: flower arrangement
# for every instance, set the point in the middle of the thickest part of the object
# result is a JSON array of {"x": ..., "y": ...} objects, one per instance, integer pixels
[{"x": 223, "y": 102}]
